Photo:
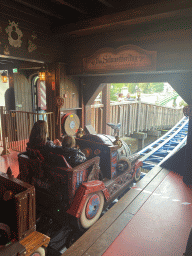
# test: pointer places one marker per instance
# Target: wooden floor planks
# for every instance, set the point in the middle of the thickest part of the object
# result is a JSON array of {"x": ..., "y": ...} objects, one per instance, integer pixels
[{"x": 102, "y": 234}]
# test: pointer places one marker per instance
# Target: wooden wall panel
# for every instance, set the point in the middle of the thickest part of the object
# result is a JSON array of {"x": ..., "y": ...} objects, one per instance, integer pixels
[
  {"x": 23, "y": 96},
  {"x": 171, "y": 39},
  {"x": 46, "y": 49},
  {"x": 69, "y": 89}
]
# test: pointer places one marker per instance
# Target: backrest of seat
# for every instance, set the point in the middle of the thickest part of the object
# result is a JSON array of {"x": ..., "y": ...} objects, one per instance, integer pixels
[
  {"x": 58, "y": 160},
  {"x": 30, "y": 165}
]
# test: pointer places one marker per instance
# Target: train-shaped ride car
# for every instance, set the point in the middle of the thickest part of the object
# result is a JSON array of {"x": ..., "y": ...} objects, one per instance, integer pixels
[{"x": 77, "y": 196}]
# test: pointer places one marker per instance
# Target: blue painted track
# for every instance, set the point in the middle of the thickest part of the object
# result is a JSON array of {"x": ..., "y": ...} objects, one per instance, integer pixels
[{"x": 160, "y": 150}]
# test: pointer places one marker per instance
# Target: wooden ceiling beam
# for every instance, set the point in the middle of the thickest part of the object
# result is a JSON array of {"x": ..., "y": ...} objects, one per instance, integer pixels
[
  {"x": 72, "y": 6},
  {"x": 106, "y": 3},
  {"x": 39, "y": 9},
  {"x": 146, "y": 14}
]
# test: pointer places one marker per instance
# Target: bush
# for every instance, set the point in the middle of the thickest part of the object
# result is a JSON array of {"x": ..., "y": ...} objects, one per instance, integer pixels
[{"x": 182, "y": 104}]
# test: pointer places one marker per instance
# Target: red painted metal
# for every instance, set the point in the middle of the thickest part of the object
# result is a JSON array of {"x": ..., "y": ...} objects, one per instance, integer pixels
[
  {"x": 75, "y": 179},
  {"x": 81, "y": 196},
  {"x": 137, "y": 165},
  {"x": 106, "y": 194}
]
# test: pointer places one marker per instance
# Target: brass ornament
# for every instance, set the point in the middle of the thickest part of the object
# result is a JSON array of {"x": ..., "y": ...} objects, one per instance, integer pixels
[
  {"x": 118, "y": 142},
  {"x": 80, "y": 133}
]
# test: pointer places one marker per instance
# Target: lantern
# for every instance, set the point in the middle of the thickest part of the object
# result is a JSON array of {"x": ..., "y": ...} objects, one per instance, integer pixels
[
  {"x": 42, "y": 74},
  {"x": 4, "y": 77}
]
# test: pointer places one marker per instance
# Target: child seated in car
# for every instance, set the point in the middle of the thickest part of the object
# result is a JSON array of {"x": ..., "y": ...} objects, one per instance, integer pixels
[{"x": 72, "y": 155}]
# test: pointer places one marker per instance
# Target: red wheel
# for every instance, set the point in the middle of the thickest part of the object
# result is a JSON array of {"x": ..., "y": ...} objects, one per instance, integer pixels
[
  {"x": 92, "y": 209},
  {"x": 137, "y": 174}
]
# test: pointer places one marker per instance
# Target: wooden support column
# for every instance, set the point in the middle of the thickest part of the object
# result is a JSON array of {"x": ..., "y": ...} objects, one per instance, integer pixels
[
  {"x": 10, "y": 75},
  {"x": 138, "y": 115},
  {"x": 106, "y": 108},
  {"x": 82, "y": 104},
  {"x": 90, "y": 91},
  {"x": 187, "y": 178},
  {"x": 57, "y": 94},
  {"x": 88, "y": 114}
]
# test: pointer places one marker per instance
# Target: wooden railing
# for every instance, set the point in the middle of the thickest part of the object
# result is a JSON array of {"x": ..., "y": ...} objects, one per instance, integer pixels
[
  {"x": 136, "y": 116},
  {"x": 16, "y": 127}
]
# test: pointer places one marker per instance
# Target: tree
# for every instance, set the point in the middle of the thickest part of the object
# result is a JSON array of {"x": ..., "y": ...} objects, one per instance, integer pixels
[
  {"x": 115, "y": 90},
  {"x": 157, "y": 87},
  {"x": 144, "y": 87},
  {"x": 131, "y": 87}
]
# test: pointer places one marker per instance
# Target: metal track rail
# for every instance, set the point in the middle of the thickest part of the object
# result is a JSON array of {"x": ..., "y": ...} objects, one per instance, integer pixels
[{"x": 160, "y": 150}]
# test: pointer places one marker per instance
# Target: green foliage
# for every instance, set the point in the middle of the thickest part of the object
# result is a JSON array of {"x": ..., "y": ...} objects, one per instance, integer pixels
[
  {"x": 131, "y": 87},
  {"x": 157, "y": 87},
  {"x": 151, "y": 87},
  {"x": 144, "y": 87},
  {"x": 182, "y": 104},
  {"x": 115, "y": 90}
]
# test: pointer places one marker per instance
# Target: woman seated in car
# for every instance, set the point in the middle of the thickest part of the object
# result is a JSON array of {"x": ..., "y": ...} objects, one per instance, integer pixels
[
  {"x": 73, "y": 155},
  {"x": 38, "y": 140}
]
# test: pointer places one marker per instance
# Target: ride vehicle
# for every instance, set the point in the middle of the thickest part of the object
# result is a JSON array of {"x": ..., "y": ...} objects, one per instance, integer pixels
[
  {"x": 77, "y": 196},
  {"x": 18, "y": 235}
]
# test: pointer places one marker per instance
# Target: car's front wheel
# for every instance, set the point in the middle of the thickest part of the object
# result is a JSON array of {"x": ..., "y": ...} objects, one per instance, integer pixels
[{"x": 92, "y": 209}]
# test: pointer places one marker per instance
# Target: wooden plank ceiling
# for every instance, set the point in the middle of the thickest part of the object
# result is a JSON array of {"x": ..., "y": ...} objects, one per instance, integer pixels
[
  {"x": 58, "y": 13},
  {"x": 74, "y": 17}
]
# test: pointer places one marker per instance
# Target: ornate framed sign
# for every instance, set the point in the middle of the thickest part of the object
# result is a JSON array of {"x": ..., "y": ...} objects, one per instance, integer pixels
[{"x": 124, "y": 58}]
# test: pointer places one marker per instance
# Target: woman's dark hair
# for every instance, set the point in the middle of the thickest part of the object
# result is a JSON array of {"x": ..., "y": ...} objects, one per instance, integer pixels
[
  {"x": 38, "y": 133},
  {"x": 68, "y": 142}
]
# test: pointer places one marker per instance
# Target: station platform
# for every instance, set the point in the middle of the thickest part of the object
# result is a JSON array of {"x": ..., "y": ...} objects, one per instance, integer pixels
[{"x": 152, "y": 218}]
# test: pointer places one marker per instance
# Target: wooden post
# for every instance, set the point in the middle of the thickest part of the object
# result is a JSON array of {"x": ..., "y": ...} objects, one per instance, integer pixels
[
  {"x": 82, "y": 105},
  {"x": 5, "y": 151},
  {"x": 187, "y": 178},
  {"x": 11, "y": 80},
  {"x": 88, "y": 114},
  {"x": 106, "y": 108},
  {"x": 138, "y": 115}
]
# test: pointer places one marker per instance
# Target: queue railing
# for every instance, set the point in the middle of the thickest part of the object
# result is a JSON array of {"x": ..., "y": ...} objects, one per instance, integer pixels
[
  {"x": 136, "y": 116},
  {"x": 15, "y": 128}
]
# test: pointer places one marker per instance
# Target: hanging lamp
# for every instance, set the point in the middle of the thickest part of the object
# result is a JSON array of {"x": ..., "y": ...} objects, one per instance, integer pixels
[
  {"x": 42, "y": 74},
  {"x": 4, "y": 77}
]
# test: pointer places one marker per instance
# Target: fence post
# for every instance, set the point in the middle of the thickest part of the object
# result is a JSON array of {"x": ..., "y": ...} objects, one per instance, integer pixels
[
  {"x": 5, "y": 151},
  {"x": 138, "y": 115},
  {"x": 106, "y": 108}
]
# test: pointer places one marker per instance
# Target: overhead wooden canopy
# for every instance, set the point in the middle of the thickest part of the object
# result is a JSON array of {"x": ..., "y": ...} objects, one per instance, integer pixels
[{"x": 75, "y": 32}]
